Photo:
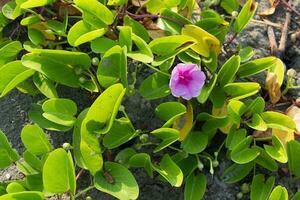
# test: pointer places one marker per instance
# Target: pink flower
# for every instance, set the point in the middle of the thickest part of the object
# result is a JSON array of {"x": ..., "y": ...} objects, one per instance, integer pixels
[{"x": 186, "y": 81}]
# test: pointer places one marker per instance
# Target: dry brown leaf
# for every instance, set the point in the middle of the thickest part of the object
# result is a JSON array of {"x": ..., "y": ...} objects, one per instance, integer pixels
[
  {"x": 185, "y": 123},
  {"x": 273, "y": 87},
  {"x": 284, "y": 136},
  {"x": 139, "y": 3},
  {"x": 262, "y": 134},
  {"x": 294, "y": 113}
]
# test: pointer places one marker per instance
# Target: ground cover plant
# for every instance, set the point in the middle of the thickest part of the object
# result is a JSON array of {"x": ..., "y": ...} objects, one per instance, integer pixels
[{"x": 211, "y": 106}]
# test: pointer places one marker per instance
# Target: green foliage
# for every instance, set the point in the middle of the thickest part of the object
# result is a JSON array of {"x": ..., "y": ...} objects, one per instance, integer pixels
[{"x": 118, "y": 49}]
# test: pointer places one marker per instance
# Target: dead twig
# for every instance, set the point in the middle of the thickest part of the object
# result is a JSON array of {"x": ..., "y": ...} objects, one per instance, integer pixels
[
  {"x": 272, "y": 40},
  {"x": 284, "y": 33},
  {"x": 288, "y": 5}
]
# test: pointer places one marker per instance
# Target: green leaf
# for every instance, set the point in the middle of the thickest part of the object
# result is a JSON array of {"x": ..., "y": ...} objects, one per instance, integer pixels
[
  {"x": 228, "y": 70},
  {"x": 11, "y": 10},
  {"x": 246, "y": 53},
  {"x": 277, "y": 151},
  {"x": 103, "y": 111},
  {"x": 9, "y": 51},
  {"x": 155, "y": 86},
  {"x": 242, "y": 154},
  {"x": 296, "y": 196},
  {"x": 77, "y": 140},
  {"x": 142, "y": 160},
  {"x": 169, "y": 112},
  {"x": 237, "y": 172},
  {"x": 195, "y": 142},
  {"x": 137, "y": 28},
  {"x": 170, "y": 171},
  {"x": 8, "y": 155},
  {"x": 256, "y": 66},
  {"x": 116, "y": 2},
  {"x": 240, "y": 90},
  {"x": 278, "y": 69},
  {"x": 293, "y": 150},
  {"x": 96, "y": 9},
  {"x": 257, "y": 123},
  {"x": 33, "y": 3},
  {"x": 260, "y": 190},
  {"x": 53, "y": 69},
  {"x": 279, "y": 193},
  {"x": 169, "y": 46},
  {"x": 125, "y": 38},
  {"x": 195, "y": 187},
  {"x": 63, "y": 180},
  {"x": 123, "y": 156},
  {"x": 26, "y": 195},
  {"x": 32, "y": 19},
  {"x": 33, "y": 160},
  {"x": 34, "y": 182},
  {"x": 82, "y": 32},
  {"x": 143, "y": 52},
  {"x": 99, "y": 120},
  {"x": 121, "y": 132},
  {"x": 235, "y": 110},
  {"x": 12, "y": 74},
  {"x": 14, "y": 187},
  {"x": 41, "y": 144},
  {"x": 245, "y": 16},
  {"x": 230, "y": 5},
  {"x": 57, "y": 26},
  {"x": 235, "y": 137},
  {"x": 60, "y": 111},
  {"x": 117, "y": 181},
  {"x": 207, "y": 89},
  {"x": 113, "y": 67},
  {"x": 278, "y": 121},
  {"x": 167, "y": 135},
  {"x": 76, "y": 60},
  {"x": 36, "y": 36},
  {"x": 265, "y": 160},
  {"x": 103, "y": 44},
  {"x": 257, "y": 105},
  {"x": 45, "y": 85},
  {"x": 171, "y": 21},
  {"x": 213, "y": 23},
  {"x": 36, "y": 115}
]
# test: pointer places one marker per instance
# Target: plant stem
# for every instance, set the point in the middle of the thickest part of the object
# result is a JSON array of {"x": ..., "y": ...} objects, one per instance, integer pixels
[
  {"x": 155, "y": 69},
  {"x": 84, "y": 191},
  {"x": 263, "y": 139}
]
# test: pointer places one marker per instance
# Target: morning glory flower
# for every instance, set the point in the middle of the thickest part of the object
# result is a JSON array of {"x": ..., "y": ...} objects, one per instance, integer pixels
[{"x": 186, "y": 81}]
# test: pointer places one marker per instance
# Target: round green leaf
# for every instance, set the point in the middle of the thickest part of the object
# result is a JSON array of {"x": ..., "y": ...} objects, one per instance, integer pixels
[
  {"x": 195, "y": 142},
  {"x": 59, "y": 173},
  {"x": 117, "y": 181},
  {"x": 195, "y": 187},
  {"x": 41, "y": 144},
  {"x": 279, "y": 193}
]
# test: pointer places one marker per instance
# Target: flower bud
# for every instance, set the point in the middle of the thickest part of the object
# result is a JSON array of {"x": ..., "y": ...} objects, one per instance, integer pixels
[
  {"x": 66, "y": 146},
  {"x": 78, "y": 70},
  {"x": 88, "y": 198},
  {"x": 215, "y": 163},
  {"x": 234, "y": 14},
  {"x": 95, "y": 61},
  {"x": 144, "y": 138},
  {"x": 291, "y": 72},
  {"x": 245, "y": 188},
  {"x": 82, "y": 80},
  {"x": 239, "y": 195}
]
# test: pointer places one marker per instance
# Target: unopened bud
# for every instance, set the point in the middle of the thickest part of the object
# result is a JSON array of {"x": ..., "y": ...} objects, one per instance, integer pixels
[
  {"x": 245, "y": 188},
  {"x": 234, "y": 14},
  {"x": 66, "y": 146},
  {"x": 144, "y": 138},
  {"x": 95, "y": 61},
  {"x": 291, "y": 72},
  {"x": 239, "y": 195},
  {"x": 215, "y": 163}
]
